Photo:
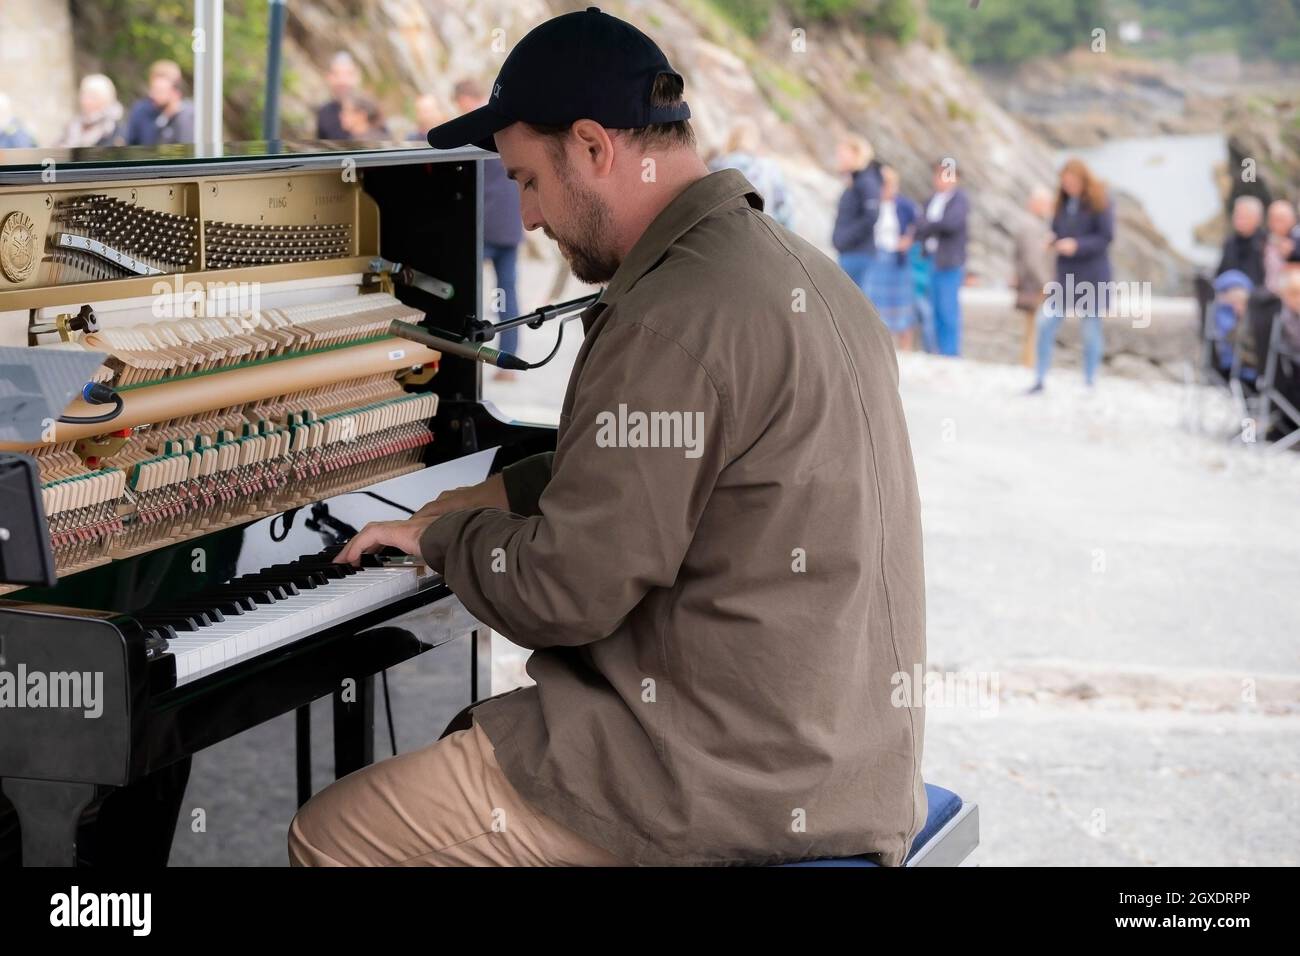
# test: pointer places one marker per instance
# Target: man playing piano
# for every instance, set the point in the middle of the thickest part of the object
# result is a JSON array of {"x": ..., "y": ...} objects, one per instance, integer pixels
[{"x": 719, "y": 570}]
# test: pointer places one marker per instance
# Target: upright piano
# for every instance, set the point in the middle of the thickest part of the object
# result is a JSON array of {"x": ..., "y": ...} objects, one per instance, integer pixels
[{"x": 241, "y": 303}]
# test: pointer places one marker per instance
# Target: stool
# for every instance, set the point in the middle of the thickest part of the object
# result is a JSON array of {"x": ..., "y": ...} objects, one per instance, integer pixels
[{"x": 951, "y": 833}]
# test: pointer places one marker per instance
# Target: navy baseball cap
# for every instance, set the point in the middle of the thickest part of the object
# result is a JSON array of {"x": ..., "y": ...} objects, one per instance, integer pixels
[{"x": 584, "y": 65}]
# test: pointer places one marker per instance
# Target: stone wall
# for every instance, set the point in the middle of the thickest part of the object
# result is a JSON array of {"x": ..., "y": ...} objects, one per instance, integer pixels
[
  {"x": 1161, "y": 349},
  {"x": 36, "y": 66}
]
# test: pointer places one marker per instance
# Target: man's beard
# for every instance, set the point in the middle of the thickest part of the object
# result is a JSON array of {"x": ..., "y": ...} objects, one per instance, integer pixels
[{"x": 586, "y": 247}]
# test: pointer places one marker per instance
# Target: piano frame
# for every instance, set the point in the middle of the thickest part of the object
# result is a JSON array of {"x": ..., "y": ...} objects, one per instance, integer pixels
[{"x": 429, "y": 217}]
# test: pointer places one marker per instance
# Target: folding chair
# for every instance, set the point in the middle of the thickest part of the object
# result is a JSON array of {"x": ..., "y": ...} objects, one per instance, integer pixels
[
  {"x": 1275, "y": 405},
  {"x": 950, "y": 835}
]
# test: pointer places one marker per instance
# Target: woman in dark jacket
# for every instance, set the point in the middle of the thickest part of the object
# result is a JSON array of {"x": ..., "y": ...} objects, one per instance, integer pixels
[
  {"x": 1082, "y": 230},
  {"x": 855, "y": 216}
]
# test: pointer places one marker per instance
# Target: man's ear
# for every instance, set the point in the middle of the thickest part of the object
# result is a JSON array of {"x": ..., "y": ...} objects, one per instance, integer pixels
[{"x": 596, "y": 145}]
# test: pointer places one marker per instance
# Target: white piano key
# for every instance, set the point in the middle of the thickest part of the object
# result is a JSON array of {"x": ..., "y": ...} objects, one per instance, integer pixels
[{"x": 243, "y": 636}]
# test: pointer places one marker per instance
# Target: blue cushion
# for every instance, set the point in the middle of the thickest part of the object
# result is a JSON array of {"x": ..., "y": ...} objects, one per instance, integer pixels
[{"x": 943, "y": 806}]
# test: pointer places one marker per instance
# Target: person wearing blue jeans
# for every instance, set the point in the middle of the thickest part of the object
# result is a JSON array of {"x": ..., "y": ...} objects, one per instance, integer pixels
[
  {"x": 1050, "y": 317},
  {"x": 945, "y": 285},
  {"x": 922, "y": 270},
  {"x": 1082, "y": 230},
  {"x": 858, "y": 266},
  {"x": 503, "y": 231},
  {"x": 504, "y": 259},
  {"x": 853, "y": 235},
  {"x": 942, "y": 234}
]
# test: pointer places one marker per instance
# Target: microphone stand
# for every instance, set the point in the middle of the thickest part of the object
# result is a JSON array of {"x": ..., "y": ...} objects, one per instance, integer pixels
[
  {"x": 476, "y": 347},
  {"x": 486, "y": 331}
]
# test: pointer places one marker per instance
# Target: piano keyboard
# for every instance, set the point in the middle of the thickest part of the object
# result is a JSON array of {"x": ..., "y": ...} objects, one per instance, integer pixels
[{"x": 276, "y": 606}]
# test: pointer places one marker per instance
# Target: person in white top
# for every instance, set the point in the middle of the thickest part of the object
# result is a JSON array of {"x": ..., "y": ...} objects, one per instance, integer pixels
[{"x": 889, "y": 282}]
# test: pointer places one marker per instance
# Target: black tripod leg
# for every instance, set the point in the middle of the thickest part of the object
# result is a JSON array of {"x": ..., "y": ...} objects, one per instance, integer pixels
[{"x": 48, "y": 814}]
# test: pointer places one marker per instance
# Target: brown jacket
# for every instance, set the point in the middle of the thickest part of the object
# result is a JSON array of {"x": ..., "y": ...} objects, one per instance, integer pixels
[
  {"x": 1035, "y": 264},
  {"x": 718, "y": 600}
]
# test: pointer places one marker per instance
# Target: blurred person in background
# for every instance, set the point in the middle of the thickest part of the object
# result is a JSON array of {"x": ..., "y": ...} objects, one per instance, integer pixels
[
  {"x": 942, "y": 232},
  {"x": 922, "y": 306},
  {"x": 1083, "y": 228},
  {"x": 428, "y": 114},
  {"x": 13, "y": 135},
  {"x": 164, "y": 115},
  {"x": 343, "y": 79},
  {"x": 1034, "y": 266},
  {"x": 853, "y": 235},
  {"x": 1244, "y": 249},
  {"x": 99, "y": 115},
  {"x": 503, "y": 231},
  {"x": 742, "y": 153},
  {"x": 889, "y": 281},
  {"x": 362, "y": 119},
  {"x": 1286, "y": 378},
  {"x": 1279, "y": 244},
  {"x": 1233, "y": 291}
]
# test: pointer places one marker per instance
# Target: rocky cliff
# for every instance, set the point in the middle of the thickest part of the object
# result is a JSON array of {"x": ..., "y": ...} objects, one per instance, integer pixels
[{"x": 803, "y": 85}]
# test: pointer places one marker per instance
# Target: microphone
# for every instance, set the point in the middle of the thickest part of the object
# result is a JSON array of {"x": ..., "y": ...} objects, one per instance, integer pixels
[{"x": 481, "y": 352}]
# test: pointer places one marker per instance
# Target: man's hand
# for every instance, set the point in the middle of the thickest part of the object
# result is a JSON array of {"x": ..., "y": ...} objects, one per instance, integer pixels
[
  {"x": 486, "y": 494},
  {"x": 405, "y": 535}
]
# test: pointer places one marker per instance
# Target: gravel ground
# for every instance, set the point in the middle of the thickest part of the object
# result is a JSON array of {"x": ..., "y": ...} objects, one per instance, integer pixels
[{"x": 1119, "y": 573}]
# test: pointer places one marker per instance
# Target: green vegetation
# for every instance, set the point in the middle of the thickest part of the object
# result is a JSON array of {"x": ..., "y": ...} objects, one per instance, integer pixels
[
  {"x": 1252, "y": 28},
  {"x": 125, "y": 36},
  {"x": 896, "y": 19},
  {"x": 1012, "y": 31}
]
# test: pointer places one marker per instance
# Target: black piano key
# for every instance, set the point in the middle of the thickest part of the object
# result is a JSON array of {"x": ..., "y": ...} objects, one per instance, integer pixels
[
  {"x": 259, "y": 594},
  {"x": 302, "y": 577},
  {"x": 156, "y": 638},
  {"x": 280, "y": 590},
  {"x": 206, "y": 609},
  {"x": 227, "y": 604},
  {"x": 217, "y": 608},
  {"x": 230, "y": 606},
  {"x": 178, "y": 622},
  {"x": 331, "y": 570}
]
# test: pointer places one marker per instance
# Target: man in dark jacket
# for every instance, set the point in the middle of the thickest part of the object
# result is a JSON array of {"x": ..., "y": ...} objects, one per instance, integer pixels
[
  {"x": 1244, "y": 249},
  {"x": 503, "y": 231},
  {"x": 165, "y": 115},
  {"x": 855, "y": 217},
  {"x": 942, "y": 234},
  {"x": 719, "y": 623}
]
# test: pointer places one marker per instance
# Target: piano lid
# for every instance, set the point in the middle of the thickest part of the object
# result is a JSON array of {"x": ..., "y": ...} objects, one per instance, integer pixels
[{"x": 89, "y": 164}]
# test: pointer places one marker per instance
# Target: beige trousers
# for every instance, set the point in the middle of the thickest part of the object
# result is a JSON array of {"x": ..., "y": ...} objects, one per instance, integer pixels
[{"x": 448, "y": 804}]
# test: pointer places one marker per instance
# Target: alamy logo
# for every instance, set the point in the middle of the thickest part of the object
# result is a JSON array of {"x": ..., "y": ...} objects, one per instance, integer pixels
[
  {"x": 1120, "y": 300},
  {"x": 638, "y": 429},
  {"x": 54, "y": 689},
  {"x": 75, "y": 908}
]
